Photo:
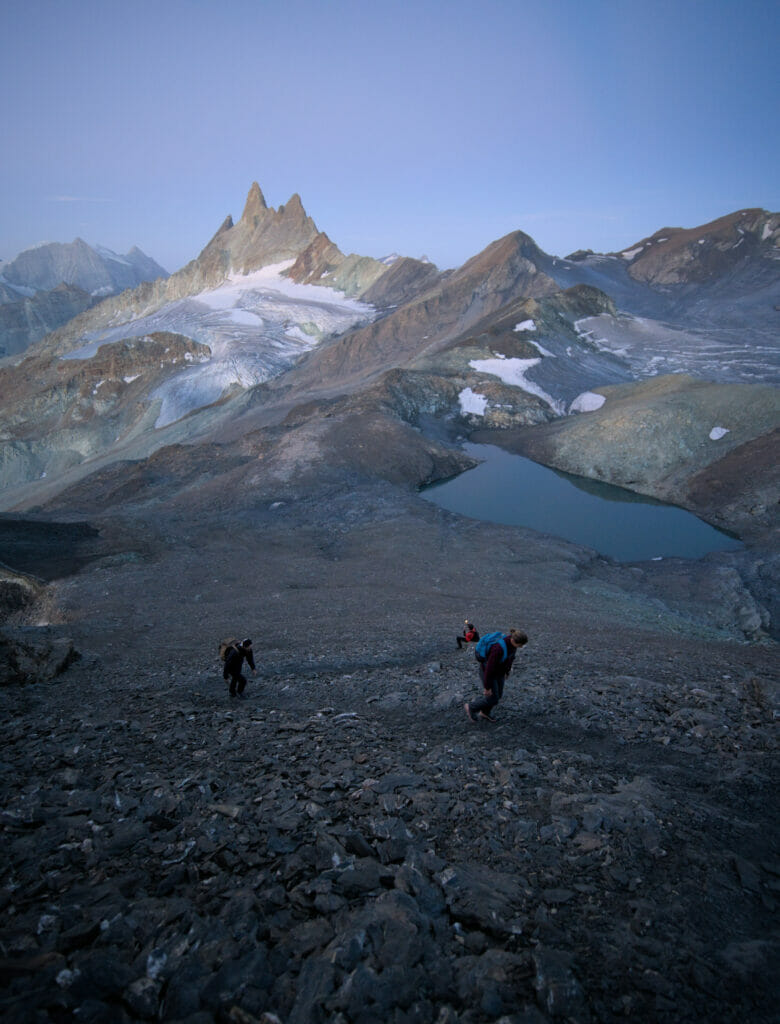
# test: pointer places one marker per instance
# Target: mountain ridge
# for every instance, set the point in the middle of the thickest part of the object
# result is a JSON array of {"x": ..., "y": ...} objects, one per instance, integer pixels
[{"x": 512, "y": 325}]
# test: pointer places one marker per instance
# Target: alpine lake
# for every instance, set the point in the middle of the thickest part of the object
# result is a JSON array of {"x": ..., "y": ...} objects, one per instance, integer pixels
[{"x": 622, "y": 525}]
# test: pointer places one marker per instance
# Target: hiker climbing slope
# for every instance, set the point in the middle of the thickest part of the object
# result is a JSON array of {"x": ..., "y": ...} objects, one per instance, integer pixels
[
  {"x": 234, "y": 660},
  {"x": 495, "y": 654}
]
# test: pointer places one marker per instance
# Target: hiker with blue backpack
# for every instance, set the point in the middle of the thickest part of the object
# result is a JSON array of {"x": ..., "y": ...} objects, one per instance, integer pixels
[{"x": 495, "y": 653}]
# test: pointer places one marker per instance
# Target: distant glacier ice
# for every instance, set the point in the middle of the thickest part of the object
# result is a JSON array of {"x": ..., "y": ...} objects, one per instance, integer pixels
[{"x": 256, "y": 325}]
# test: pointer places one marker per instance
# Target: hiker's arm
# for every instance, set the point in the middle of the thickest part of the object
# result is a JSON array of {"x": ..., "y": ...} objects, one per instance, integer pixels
[{"x": 492, "y": 666}]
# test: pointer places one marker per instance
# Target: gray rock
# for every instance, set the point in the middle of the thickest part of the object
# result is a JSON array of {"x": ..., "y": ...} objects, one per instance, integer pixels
[{"x": 558, "y": 991}]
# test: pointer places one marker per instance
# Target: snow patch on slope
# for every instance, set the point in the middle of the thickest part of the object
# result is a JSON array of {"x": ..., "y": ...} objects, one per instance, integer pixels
[
  {"x": 472, "y": 403},
  {"x": 718, "y": 432},
  {"x": 513, "y": 372},
  {"x": 588, "y": 401}
]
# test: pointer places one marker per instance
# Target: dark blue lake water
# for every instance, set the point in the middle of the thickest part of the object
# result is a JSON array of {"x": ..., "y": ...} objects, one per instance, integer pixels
[{"x": 508, "y": 488}]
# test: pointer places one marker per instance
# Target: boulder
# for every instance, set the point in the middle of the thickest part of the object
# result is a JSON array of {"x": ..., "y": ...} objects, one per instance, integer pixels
[{"x": 30, "y": 656}]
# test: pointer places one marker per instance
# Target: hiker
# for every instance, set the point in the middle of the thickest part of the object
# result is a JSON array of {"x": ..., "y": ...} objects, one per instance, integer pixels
[
  {"x": 234, "y": 660},
  {"x": 468, "y": 636},
  {"x": 495, "y": 654}
]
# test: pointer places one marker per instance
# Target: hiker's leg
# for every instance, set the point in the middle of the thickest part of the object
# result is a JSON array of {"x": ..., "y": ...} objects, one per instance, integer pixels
[
  {"x": 484, "y": 704},
  {"x": 233, "y": 681},
  {"x": 241, "y": 683}
]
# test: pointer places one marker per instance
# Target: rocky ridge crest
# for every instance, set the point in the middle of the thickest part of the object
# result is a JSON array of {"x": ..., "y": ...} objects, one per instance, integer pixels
[{"x": 674, "y": 256}]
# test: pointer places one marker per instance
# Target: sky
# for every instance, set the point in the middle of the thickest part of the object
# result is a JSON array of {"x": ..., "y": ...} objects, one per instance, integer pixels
[{"x": 421, "y": 128}]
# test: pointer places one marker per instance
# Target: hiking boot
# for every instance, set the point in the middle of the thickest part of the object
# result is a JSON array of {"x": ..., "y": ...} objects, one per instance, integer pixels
[
  {"x": 469, "y": 712},
  {"x": 488, "y": 718}
]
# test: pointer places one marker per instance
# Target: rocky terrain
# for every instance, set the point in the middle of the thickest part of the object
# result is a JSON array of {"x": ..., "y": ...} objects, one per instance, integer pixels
[
  {"x": 674, "y": 256},
  {"x": 343, "y": 844}
]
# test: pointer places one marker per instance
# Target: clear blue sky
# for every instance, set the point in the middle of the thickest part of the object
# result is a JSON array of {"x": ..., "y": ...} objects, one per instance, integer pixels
[{"x": 415, "y": 127}]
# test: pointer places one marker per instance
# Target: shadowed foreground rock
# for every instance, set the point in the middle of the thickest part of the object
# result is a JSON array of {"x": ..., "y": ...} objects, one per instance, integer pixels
[{"x": 28, "y": 657}]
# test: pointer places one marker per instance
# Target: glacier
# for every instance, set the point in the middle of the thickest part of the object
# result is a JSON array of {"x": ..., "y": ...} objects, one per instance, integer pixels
[
  {"x": 256, "y": 325},
  {"x": 651, "y": 347}
]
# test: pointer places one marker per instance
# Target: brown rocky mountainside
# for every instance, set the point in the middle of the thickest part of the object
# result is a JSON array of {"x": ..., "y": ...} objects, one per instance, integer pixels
[
  {"x": 451, "y": 305},
  {"x": 691, "y": 255}
]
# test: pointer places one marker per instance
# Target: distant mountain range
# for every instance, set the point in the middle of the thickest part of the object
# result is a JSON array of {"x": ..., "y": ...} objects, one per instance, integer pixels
[
  {"x": 46, "y": 286},
  {"x": 272, "y": 317}
]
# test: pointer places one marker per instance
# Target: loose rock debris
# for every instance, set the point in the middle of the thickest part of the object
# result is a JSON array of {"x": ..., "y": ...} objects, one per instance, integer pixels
[{"x": 313, "y": 853}]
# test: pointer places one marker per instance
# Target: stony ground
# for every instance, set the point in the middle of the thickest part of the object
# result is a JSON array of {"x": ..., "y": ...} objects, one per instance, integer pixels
[{"x": 343, "y": 844}]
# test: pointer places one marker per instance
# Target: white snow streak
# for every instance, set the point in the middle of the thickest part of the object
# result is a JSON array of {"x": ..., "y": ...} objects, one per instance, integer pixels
[
  {"x": 718, "y": 432},
  {"x": 513, "y": 372},
  {"x": 541, "y": 349}
]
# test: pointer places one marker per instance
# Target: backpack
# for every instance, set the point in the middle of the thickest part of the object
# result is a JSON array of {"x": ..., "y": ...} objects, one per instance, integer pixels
[
  {"x": 486, "y": 642},
  {"x": 225, "y": 645}
]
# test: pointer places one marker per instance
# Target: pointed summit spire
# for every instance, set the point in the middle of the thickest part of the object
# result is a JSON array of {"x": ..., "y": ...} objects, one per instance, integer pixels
[
  {"x": 294, "y": 213},
  {"x": 294, "y": 203},
  {"x": 255, "y": 202}
]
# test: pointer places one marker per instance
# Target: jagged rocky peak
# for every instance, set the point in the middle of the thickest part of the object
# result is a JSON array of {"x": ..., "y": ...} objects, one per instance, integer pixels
[
  {"x": 319, "y": 258},
  {"x": 262, "y": 236},
  {"x": 293, "y": 206},
  {"x": 255, "y": 202},
  {"x": 226, "y": 225}
]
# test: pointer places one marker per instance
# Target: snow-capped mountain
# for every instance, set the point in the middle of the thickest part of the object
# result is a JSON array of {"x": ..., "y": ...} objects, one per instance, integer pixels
[
  {"x": 46, "y": 286},
  {"x": 96, "y": 270}
]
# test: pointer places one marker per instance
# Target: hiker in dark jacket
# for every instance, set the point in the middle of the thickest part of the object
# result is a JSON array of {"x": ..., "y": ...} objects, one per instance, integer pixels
[
  {"x": 470, "y": 635},
  {"x": 234, "y": 660},
  {"x": 493, "y": 672}
]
